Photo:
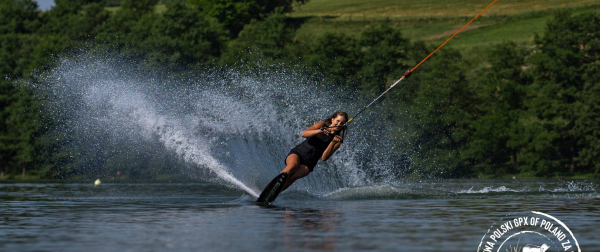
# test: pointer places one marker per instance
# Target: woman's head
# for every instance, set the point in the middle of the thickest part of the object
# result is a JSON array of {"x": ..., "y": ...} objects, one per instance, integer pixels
[{"x": 339, "y": 118}]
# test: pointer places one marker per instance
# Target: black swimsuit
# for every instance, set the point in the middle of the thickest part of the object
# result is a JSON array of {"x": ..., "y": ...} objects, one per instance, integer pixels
[{"x": 311, "y": 150}]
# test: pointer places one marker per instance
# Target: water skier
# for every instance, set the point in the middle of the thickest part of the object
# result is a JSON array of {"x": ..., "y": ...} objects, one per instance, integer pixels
[{"x": 322, "y": 140}]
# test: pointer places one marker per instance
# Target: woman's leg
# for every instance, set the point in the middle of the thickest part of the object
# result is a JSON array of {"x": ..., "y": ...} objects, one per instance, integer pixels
[
  {"x": 294, "y": 169},
  {"x": 300, "y": 172},
  {"x": 291, "y": 163}
]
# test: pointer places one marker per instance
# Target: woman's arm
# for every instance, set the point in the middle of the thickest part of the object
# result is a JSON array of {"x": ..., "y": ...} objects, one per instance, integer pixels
[
  {"x": 313, "y": 130},
  {"x": 333, "y": 146}
]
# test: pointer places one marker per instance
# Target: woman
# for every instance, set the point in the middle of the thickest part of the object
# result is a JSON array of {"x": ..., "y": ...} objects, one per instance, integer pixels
[{"x": 322, "y": 140}]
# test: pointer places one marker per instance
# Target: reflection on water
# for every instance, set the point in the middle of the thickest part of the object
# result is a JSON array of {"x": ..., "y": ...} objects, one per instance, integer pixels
[
  {"x": 208, "y": 217},
  {"x": 310, "y": 229}
]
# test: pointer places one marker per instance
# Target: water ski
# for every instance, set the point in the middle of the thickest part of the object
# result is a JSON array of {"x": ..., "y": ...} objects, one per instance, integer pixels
[{"x": 273, "y": 189}]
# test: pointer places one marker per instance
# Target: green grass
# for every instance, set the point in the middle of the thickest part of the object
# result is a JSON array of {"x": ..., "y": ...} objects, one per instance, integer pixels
[
  {"x": 410, "y": 9},
  {"x": 519, "y": 27},
  {"x": 428, "y": 23},
  {"x": 433, "y": 25}
]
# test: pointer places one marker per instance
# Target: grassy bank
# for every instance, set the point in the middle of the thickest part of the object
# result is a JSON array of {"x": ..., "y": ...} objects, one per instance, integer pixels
[
  {"x": 425, "y": 9},
  {"x": 519, "y": 25},
  {"x": 434, "y": 21}
]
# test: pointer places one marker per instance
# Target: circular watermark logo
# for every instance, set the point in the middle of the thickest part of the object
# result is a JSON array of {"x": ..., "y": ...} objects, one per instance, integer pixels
[{"x": 528, "y": 232}]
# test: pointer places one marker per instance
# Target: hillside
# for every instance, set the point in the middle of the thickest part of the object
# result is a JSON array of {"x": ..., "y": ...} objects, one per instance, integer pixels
[{"x": 435, "y": 20}]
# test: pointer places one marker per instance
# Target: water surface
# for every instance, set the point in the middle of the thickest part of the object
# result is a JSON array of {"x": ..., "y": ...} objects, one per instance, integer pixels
[{"x": 450, "y": 215}]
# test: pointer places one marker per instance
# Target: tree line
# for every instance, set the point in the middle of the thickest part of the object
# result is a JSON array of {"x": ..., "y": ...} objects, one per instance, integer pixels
[{"x": 527, "y": 111}]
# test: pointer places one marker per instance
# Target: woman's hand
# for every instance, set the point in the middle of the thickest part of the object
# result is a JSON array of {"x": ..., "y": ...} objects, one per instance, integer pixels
[
  {"x": 337, "y": 139},
  {"x": 333, "y": 146}
]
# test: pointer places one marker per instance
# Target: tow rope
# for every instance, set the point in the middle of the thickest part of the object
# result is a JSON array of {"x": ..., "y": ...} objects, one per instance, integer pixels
[{"x": 408, "y": 72}]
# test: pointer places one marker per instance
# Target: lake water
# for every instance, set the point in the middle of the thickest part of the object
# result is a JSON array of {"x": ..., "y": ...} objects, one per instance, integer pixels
[{"x": 436, "y": 215}]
